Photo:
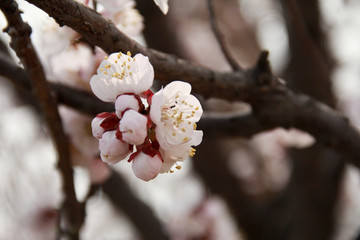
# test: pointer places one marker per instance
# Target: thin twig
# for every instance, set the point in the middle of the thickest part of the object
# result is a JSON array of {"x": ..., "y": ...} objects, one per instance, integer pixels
[
  {"x": 220, "y": 38},
  {"x": 21, "y": 43}
]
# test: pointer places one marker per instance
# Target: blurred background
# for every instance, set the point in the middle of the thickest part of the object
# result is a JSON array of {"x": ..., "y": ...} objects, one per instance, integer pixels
[{"x": 279, "y": 184}]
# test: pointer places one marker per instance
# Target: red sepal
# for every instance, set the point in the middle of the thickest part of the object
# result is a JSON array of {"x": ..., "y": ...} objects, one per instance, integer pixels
[
  {"x": 132, "y": 156},
  {"x": 111, "y": 121}
]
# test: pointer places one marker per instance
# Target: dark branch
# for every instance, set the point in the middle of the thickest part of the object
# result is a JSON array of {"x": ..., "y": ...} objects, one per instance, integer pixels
[
  {"x": 219, "y": 37},
  {"x": 274, "y": 105},
  {"x": 80, "y": 100},
  {"x": 21, "y": 43}
]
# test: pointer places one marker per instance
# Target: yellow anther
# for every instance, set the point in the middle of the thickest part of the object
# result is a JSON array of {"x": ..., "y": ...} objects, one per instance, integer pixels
[
  {"x": 106, "y": 58},
  {"x": 128, "y": 53},
  {"x": 174, "y": 134},
  {"x": 115, "y": 61},
  {"x": 195, "y": 126},
  {"x": 189, "y": 122},
  {"x": 178, "y": 167},
  {"x": 185, "y": 139},
  {"x": 197, "y": 108},
  {"x": 191, "y": 105},
  {"x": 129, "y": 59},
  {"x": 183, "y": 129},
  {"x": 105, "y": 72},
  {"x": 101, "y": 69},
  {"x": 128, "y": 66},
  {"x": 171, "y": 171},
  {"x": 130, "y": 73},
  {"x": 108, "y": 66}
]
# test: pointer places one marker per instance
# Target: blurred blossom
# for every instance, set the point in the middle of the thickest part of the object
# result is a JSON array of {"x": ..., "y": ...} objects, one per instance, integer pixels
[{"x": 348, "y": 207}]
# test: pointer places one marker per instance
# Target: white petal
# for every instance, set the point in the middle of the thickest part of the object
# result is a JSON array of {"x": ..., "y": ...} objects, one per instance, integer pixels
[
  {"x": 111, "y": 147},
  {"x": 146, "y": 167},
  {"x": 163, "y": 5},
  {"x": 133, "y": 127},
  {"x": 156, "y": 103},
  {"x": 177, "y": 87},
  {"x": 167, "y": 165},
  {"x": 196, "y": 138},
  {"x": 124, "y": 102},
  {"x": 97, "y": 130}
]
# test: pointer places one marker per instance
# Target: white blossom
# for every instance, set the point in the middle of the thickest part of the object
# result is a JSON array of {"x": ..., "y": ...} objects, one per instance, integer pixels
[
  {"x": 146, "y": 167},
  {"x": 112, "y": 149},
  {"x": 119, "y": 74},
  {"x": 133, "y": 127},
  {"x": 163, "y": 5},
  {"x": 175, "y": 112}
]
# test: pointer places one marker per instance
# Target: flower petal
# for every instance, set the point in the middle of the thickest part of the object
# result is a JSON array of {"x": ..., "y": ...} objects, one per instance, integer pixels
[
  {"x": 124, "y": 102},
  {"x": 146, "y": 167},
  {"x": 133, "y": 127},
  {"x": 111, "y": 148},
  {"x": 163, "y": 5}
]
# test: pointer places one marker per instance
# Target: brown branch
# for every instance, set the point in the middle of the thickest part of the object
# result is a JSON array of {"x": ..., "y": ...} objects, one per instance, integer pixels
[
  {"x": 220, "y": 38},
  {"x": 273, "y": 104},
  {"x": 80, "y": 100},
  {"x": 21, "y": 43}
]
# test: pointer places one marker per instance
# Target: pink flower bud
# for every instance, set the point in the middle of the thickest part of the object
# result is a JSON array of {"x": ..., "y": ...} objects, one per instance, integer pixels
[
  {"x": 133, "y": 127},
  {"x": 112, "y": 149},
  {"x": 146, "y": 167},
  {"x": 124, "y": 102},
  {"x": 104, "y": 122}
]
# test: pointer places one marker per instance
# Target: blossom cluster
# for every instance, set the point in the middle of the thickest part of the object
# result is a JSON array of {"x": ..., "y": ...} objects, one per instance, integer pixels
[{"x": 154, "y": 130}]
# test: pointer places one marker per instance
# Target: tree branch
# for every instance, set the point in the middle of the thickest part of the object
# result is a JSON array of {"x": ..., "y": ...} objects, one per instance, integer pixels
[
  {"x": 219, "y": 37},
  {"x": 273, "y": 104},
  {"x": 21, "y": 43},
  {"x": 83, "y": 101}
]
